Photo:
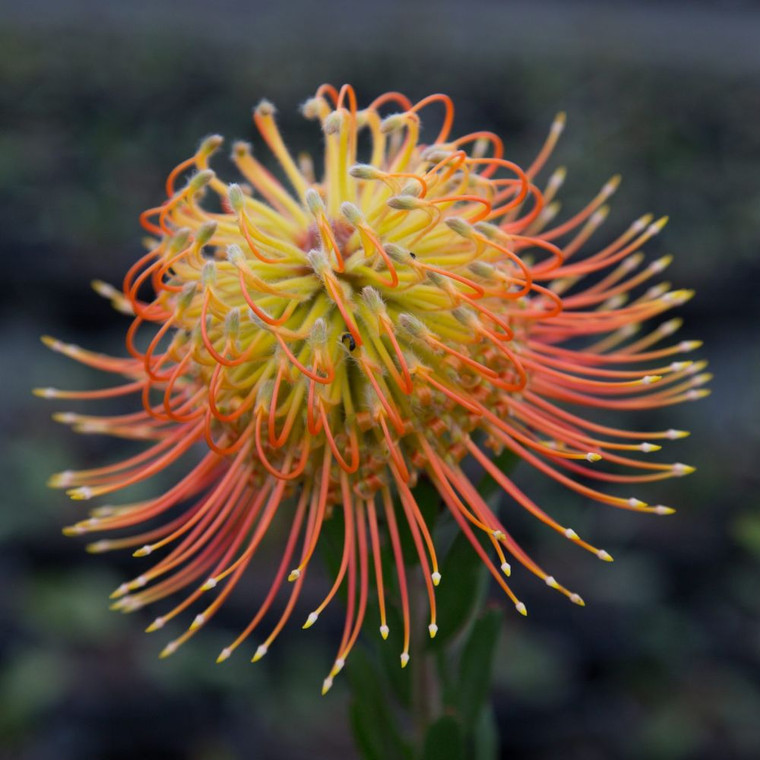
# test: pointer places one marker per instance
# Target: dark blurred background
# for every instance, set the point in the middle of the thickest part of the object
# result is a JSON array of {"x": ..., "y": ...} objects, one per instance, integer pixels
[{"x": 99, "y": 100}]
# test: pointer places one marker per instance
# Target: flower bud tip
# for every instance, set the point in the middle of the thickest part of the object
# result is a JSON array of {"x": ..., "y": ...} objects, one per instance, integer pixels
[
  {"x": 169, "y": 649},
  {"x": 260, "y": 652},
  {"x": 155, "y": 625}
]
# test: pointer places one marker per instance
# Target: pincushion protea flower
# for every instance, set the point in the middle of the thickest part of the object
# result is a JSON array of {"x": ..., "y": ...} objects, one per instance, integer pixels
[{"x": 328, "y": 344}]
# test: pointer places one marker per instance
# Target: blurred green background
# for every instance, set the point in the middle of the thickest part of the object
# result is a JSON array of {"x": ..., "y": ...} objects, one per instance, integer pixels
[{"x": 99, "y": 100}]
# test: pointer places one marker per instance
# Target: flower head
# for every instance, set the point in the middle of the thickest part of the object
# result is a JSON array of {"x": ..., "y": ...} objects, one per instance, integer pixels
[{"x": 328, "y": 342}]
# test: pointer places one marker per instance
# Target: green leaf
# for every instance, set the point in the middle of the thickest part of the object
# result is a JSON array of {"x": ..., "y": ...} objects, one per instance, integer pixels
[
  {"x": 485, "y": 737},
  {"x": 745, "y": 529},
  {"x": 476, "y": 665},
  {"x": 331, "y": 541},
  {"x": 463, "y": 577},
  {"x": 372, "y": 719},
  {"x": 444, "y": 740},
  {"x": 370, "y": 745}
]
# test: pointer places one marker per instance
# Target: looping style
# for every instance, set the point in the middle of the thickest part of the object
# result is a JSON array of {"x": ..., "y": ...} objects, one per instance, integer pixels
[{"x": 326, "y": 343}]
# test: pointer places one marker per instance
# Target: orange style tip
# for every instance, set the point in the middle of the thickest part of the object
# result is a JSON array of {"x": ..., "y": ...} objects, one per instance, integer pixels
[
  {"x": 599, "y": 215},
  {"x": 260, "y": 652},
  {"x": 576, "y": 599},
  {"x": 432, "y": 630},
  {"x": 65, "y": 418},
  {"x": 103, "y": 288},
  {"x": 326, "y": 685},
  {"x": 635, "y": 503},
  {"x": 506, "y": 568},
  {"x": 695, "y": 395},
  {"x": 559, "y": 175},
  {"x": 73, "y": 530},
  {"x": 404, "y": 659},
  {"x": 384, "y": 631},
  {"x": 650, "y": 379},
  {"x": 45, "y": 392},
  {"x": 209, "y": 584},
  {"x": 655, "y": 227},
  {"x": 662, "y": 510},
  {"x": 522, "y": 609},
  {"x": 121, "y": 591},
  {"x": 143, "y": 551},
  {"x": 647, "y": 447},
  {"x": 678, "y": 297},
  {"x": 661, "y": 264},
  {"x": 571, "y": 534},
  {"x": 676, "y": 434},
  {"x": 612, "y": 184},
  {"x": 436, "y": 578},
  {"x": 169, "y": 649},
  {"x": 559, "y": 122},
  {"x": 551, "y": 582},
  {"x": 155, "y": 625},
  {"x": 690, "y": 345},
  {"x": 679, "y": 469},
  {"x": 294, "y": 575},
  {"x": 83, "y": 493},
  {"x": 224, "y": 655},
  {"x": 604, "y": 555},
  {"x": 313, "y": 617},
  {"x": 593, "y": 457},
  {"x": 98, "y": 547},
  {"x": 198, "y": 621},
  {"x": 52, "y": 343},
  {"x": 339, "y": 664}
]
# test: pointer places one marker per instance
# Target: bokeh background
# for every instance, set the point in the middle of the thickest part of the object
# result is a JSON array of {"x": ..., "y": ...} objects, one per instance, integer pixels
[{"x": 98, "y": 100}]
